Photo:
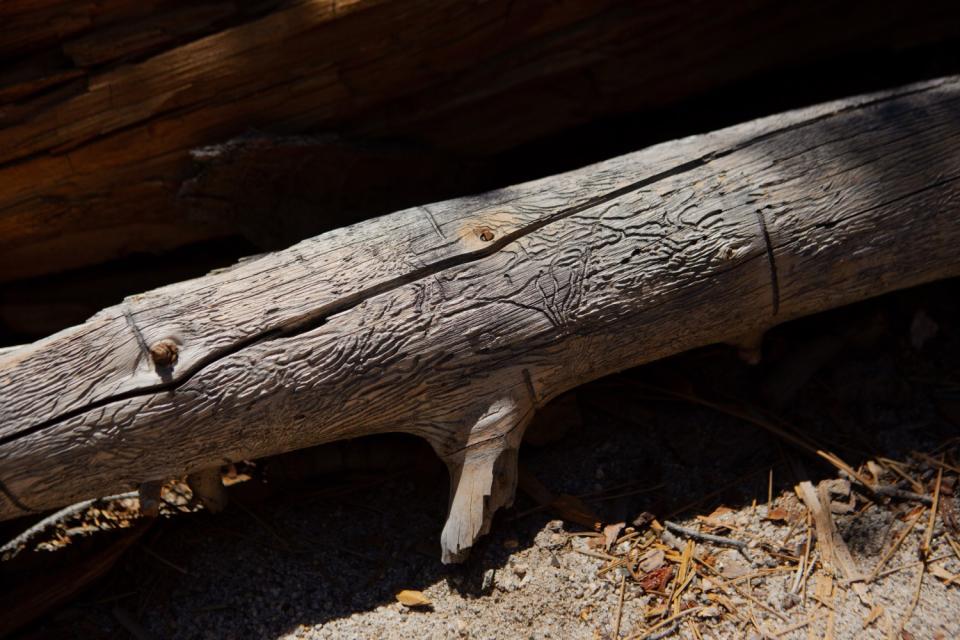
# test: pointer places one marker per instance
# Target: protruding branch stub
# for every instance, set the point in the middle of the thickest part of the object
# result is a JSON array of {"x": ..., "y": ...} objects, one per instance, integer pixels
[
  {"x": 207, "y": 487},
  {"x": 483, "y": 475}
]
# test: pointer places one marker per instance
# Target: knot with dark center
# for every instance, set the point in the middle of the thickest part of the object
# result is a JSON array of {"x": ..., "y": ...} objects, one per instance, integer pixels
[{"x": 164, "y": 353}]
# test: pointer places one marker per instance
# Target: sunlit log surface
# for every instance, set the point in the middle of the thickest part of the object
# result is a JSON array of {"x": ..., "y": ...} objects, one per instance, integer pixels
[{"x": 455, "y": 320}]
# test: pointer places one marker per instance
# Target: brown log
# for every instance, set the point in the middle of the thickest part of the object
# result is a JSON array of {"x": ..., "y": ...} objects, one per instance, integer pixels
[
  {"x": 102, "y": 102},
  {"x": 454, "y": 321}
]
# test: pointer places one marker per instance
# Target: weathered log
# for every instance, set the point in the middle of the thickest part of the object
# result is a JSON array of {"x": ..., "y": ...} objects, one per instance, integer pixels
[
  {"x": 102, "y": 102},
  {"x": 455, "y": 321}
]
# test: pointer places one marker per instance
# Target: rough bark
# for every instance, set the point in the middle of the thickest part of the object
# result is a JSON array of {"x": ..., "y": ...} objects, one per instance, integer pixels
[
  {"x": 101, "y": 102},
  {"x": 454, "y": 321}
]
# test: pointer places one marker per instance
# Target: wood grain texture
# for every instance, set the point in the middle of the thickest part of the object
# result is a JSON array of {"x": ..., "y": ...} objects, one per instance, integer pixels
[
  {"x": 454, "y": 321},
  {"x": 102, "y": 101}
]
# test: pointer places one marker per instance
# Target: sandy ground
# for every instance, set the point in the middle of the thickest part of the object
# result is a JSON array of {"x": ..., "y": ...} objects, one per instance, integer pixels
[{"x": 324, "y": 556}]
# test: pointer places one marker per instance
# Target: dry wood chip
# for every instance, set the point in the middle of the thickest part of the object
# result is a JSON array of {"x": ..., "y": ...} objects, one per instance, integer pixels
[
  {"x": 947, "y": 577},
  {"x": 657, "y": 580},
  {"x": 611, "y": 532},
  {"x": 778, "y": 514},
  {"x": 411, "y": 598},
  {"x": 833, "y": 550},
  {"x": 652, "y": 560}
]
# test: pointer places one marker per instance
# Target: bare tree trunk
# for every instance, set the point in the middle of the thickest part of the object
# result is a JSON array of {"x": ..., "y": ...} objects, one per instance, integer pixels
[{"x": 456, "y": 320}]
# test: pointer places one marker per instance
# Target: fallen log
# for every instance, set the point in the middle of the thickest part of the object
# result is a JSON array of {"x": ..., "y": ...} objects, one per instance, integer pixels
[{"x": 455, "y": 321}]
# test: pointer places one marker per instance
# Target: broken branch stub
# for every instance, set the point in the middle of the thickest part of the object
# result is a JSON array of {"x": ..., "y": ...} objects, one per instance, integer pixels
[{"x": 454, "y": 321}]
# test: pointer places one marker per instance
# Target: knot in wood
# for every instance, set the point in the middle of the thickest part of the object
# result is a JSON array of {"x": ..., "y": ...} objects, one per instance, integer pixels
[
  {"x": 486, "y": 234},
  {"x": 164, "y": 353}
]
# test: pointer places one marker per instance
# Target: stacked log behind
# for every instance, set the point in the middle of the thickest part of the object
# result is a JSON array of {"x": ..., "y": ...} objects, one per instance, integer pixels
[{"x": 101, "y": 103}]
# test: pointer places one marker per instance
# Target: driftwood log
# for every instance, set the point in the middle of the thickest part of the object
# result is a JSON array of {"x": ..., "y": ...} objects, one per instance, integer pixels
[{"x": 456, "y": 320}]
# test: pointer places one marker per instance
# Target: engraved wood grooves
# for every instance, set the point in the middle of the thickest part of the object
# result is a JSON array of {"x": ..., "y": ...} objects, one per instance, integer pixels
[{"x": 454, "y": 321}]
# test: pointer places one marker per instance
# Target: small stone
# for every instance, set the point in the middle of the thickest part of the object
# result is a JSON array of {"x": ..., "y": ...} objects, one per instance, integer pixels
[
  {"x": 488, "y": 577},
  {"x": 547, "y": 539},
  {"x": 789, "y": 600}
]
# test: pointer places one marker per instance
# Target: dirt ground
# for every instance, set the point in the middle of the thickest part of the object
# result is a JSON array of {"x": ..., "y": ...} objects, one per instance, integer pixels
[{"x": 318, "y": 544}]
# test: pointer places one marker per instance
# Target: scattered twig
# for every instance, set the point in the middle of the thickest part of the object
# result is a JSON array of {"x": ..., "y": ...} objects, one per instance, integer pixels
[
  {"x": 740, "y": 591},
  {"x": 779, "y": 633},
  {"x": 651, "y": 633},
  {"x": 683, "y": 579},
  {"x": 694, "y": 629},
  {"x": 896, "y": 467},
  {"x": 953, "y": 544},
  {"x": 909, "y": 565},
  {"x": 12, "y": 548},
  {"x": 843, "y": 466},
  {"x": 704, "y": 537},
  {"x": 804, "y": 560},
  {"x": 897, "y": 493},
  {"x": 758, "y": 574},
  {"x": 756, "y": 625},
  {"x": 669, "y": 631},
  {"x": 619, "y": 617},
  {"x": 770, "y": 487},
  {"x": 889, "y": 554},
  {"x": 916, "y": 598},
  {"x": 928, "y": 536},
  {"x": 595, "y": 554},
  {"x": 942, "y": 464}
]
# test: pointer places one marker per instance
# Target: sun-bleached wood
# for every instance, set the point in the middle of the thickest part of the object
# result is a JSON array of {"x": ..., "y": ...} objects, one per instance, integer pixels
[{"x": 454, "y": 321}]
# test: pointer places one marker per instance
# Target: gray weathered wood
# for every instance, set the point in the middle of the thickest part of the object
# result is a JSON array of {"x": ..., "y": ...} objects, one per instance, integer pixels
[{"x": 455, "y": 321}]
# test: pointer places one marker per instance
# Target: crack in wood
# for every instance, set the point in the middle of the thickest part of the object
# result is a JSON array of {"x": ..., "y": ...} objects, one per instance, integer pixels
[
  {"x": 772, "y": 261},
  {"x": 433, "y": 221},
  {"x": 531, "y": 390},
  {"x": 144, "y": 347}
]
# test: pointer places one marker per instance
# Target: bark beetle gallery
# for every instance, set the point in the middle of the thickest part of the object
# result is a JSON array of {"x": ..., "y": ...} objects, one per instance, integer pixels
[{"x": 455, "y": 321}]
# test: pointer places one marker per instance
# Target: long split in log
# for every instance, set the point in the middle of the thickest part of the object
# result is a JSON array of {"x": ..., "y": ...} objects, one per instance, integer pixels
[{"x": 456, "y": 320}]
